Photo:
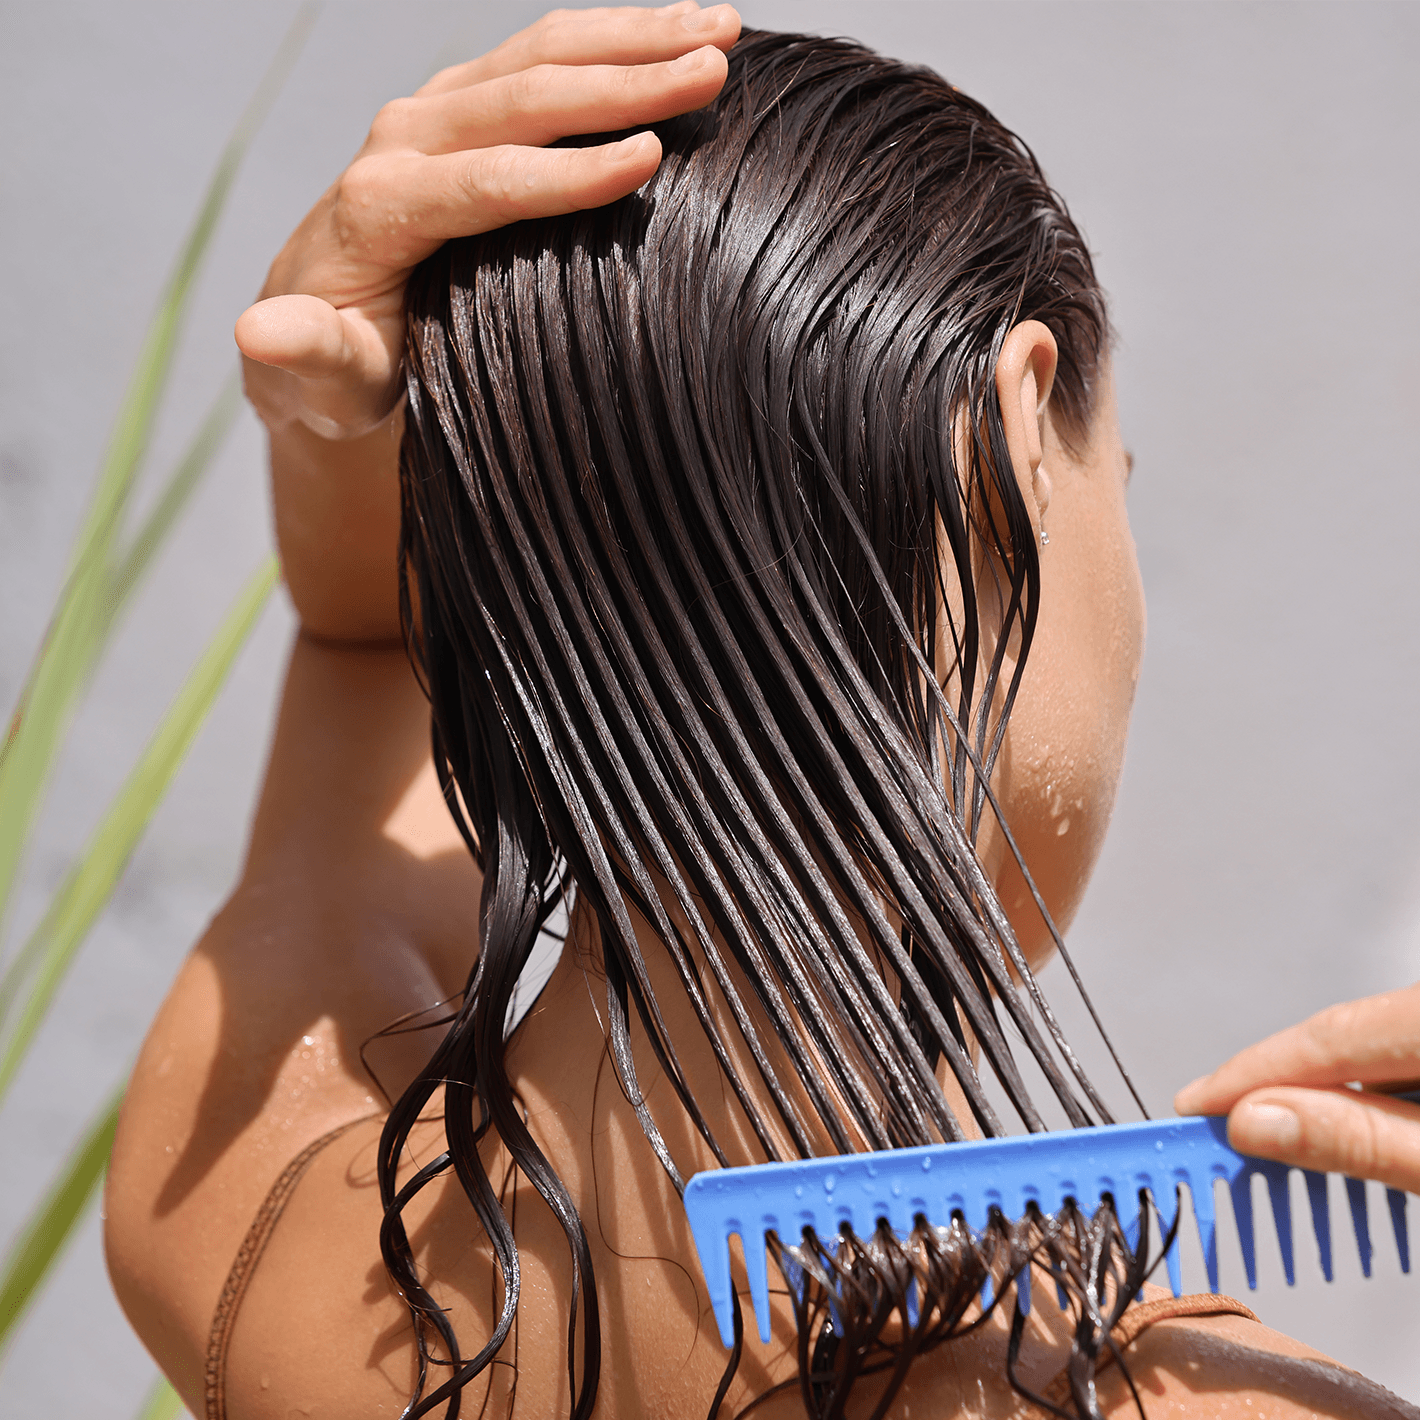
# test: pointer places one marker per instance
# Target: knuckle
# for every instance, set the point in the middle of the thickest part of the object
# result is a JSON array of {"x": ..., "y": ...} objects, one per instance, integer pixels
[
  {"x": 549, "y": 28},
  {"x": 620, "y": 93},
  {"x": 360, "y": 186},
  {"x": 441, "y": 78},
  {"x": 623, "y": 81},
  {"x": 394, "y": 123},
  {"x": 364, "y": 195},
  {"x": 498, "y": 177},
  {"x": 532, "y": 87},
  {"x": 563, "y": 32},
  {"x": 1343, "y": 1135},
  {"x": 1363, "y": 1145},
  {"x": 1332, "y": 1032}
]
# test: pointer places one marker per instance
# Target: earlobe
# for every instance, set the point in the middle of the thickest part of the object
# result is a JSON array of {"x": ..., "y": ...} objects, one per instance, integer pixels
[
  {"x": 1025, "y": 371},
  {"x": 1041, "y": 487}
]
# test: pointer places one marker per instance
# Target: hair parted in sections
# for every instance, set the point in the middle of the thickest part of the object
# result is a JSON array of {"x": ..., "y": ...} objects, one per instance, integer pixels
[{"x": 696, "y": 486}]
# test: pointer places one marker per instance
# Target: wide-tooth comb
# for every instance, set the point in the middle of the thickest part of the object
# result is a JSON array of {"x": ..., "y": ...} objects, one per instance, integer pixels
[{"x": 973, "y": 1179}]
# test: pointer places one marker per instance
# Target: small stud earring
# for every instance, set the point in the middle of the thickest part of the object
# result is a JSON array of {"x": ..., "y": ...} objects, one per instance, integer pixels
[{"x": 1044, "y": 536}]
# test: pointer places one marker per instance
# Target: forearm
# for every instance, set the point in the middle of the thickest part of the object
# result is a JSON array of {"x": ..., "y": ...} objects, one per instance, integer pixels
[{"x": 336, "y": 509}]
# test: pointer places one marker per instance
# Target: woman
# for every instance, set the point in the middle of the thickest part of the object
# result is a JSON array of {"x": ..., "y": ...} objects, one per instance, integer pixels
[{"x": 356, "y": 909}]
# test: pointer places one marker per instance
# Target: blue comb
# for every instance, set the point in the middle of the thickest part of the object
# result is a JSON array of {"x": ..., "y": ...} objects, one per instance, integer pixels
[{"x": 939, "y": 1180}]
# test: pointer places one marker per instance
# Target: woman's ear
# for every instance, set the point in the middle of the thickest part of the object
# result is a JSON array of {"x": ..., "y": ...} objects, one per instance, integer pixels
[{"x": 1025, "y": 371}]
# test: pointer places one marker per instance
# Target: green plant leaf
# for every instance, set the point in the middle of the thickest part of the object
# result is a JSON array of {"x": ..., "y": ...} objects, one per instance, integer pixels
[
  {"x": 145, "y": 543},
  {"x": 89, "y": 883},
  {"x": 82, "y": 621},
  {"x": 46, "y": 702},
  {"x": 52, "y": 1223},
  {"x": 141, "y": 549},
  {"x": 162, "y": 1403}
]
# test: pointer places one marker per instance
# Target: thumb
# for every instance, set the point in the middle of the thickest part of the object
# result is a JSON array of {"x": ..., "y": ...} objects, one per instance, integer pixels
[
  {"x": 1332, "y": 1131},
  {"x": 309, "y": 363},
  {"x": 302, "y": 335}
]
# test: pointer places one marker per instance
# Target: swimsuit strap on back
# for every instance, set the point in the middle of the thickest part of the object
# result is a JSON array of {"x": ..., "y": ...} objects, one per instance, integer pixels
[
  {"x": 248, "y": 1255},
  {"x": 1139, "y": 1318}
]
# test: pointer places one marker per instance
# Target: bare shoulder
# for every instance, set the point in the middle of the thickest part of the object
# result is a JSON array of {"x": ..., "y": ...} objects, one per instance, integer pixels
[
  {"x": 357, "y": 906},
  {"x": 320, "y": 1330},
  {"x": 1228, "y": 1366},
  {"x": 235, "y": 1080},
  {"x": 324, "y": 1333}
]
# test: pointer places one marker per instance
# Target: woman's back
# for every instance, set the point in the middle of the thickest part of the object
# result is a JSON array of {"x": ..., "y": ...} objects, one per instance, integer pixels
[{"x": 317, "y": 1329}]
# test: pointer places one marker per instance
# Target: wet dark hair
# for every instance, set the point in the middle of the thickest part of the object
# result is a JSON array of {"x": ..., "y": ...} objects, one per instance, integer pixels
[{"x": 692, "y": 484}]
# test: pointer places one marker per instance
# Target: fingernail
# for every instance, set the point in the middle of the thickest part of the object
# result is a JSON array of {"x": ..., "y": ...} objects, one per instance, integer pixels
[
  {"x": 1269, "y": 1126},
  {"x": 699, "y": 21},
  {"x": 689, "y": 63}
]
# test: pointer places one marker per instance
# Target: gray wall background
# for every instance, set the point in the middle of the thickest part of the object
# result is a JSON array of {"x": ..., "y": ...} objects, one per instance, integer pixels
[{"x": 1246, "y": 176}]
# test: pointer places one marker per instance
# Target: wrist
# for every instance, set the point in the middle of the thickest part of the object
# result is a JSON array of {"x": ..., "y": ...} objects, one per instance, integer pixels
[
  {"x": 280, "y": 400},
  {"x": 337, "y": 516}
]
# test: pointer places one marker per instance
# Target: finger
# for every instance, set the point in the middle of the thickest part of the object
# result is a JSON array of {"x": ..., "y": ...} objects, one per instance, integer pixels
[
  {"x": 549, "y": 101},
  {"x": 460, "y": 194},
  {"x": 621, "y": 35},
  {"x": 1332, "y": 1131},
  {"x": 1375, "y": 1041}
]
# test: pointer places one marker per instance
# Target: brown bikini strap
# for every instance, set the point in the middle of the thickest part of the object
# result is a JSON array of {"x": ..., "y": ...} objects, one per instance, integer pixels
[
  {"x": 1143, "y": 1315},
  {"x": 248, "y": 1255}
]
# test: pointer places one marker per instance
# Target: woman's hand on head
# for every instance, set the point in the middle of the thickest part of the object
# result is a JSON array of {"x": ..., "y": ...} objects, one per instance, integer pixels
[
  {"x": 466, "y": 154},
  {"x": 1287, "y": 1097}
]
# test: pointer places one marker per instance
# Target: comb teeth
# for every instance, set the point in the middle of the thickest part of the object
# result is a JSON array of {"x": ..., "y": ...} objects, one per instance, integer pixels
[
  {"x": 1356, "y": 1197},
  {"x": 972, "y": 1179}
]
